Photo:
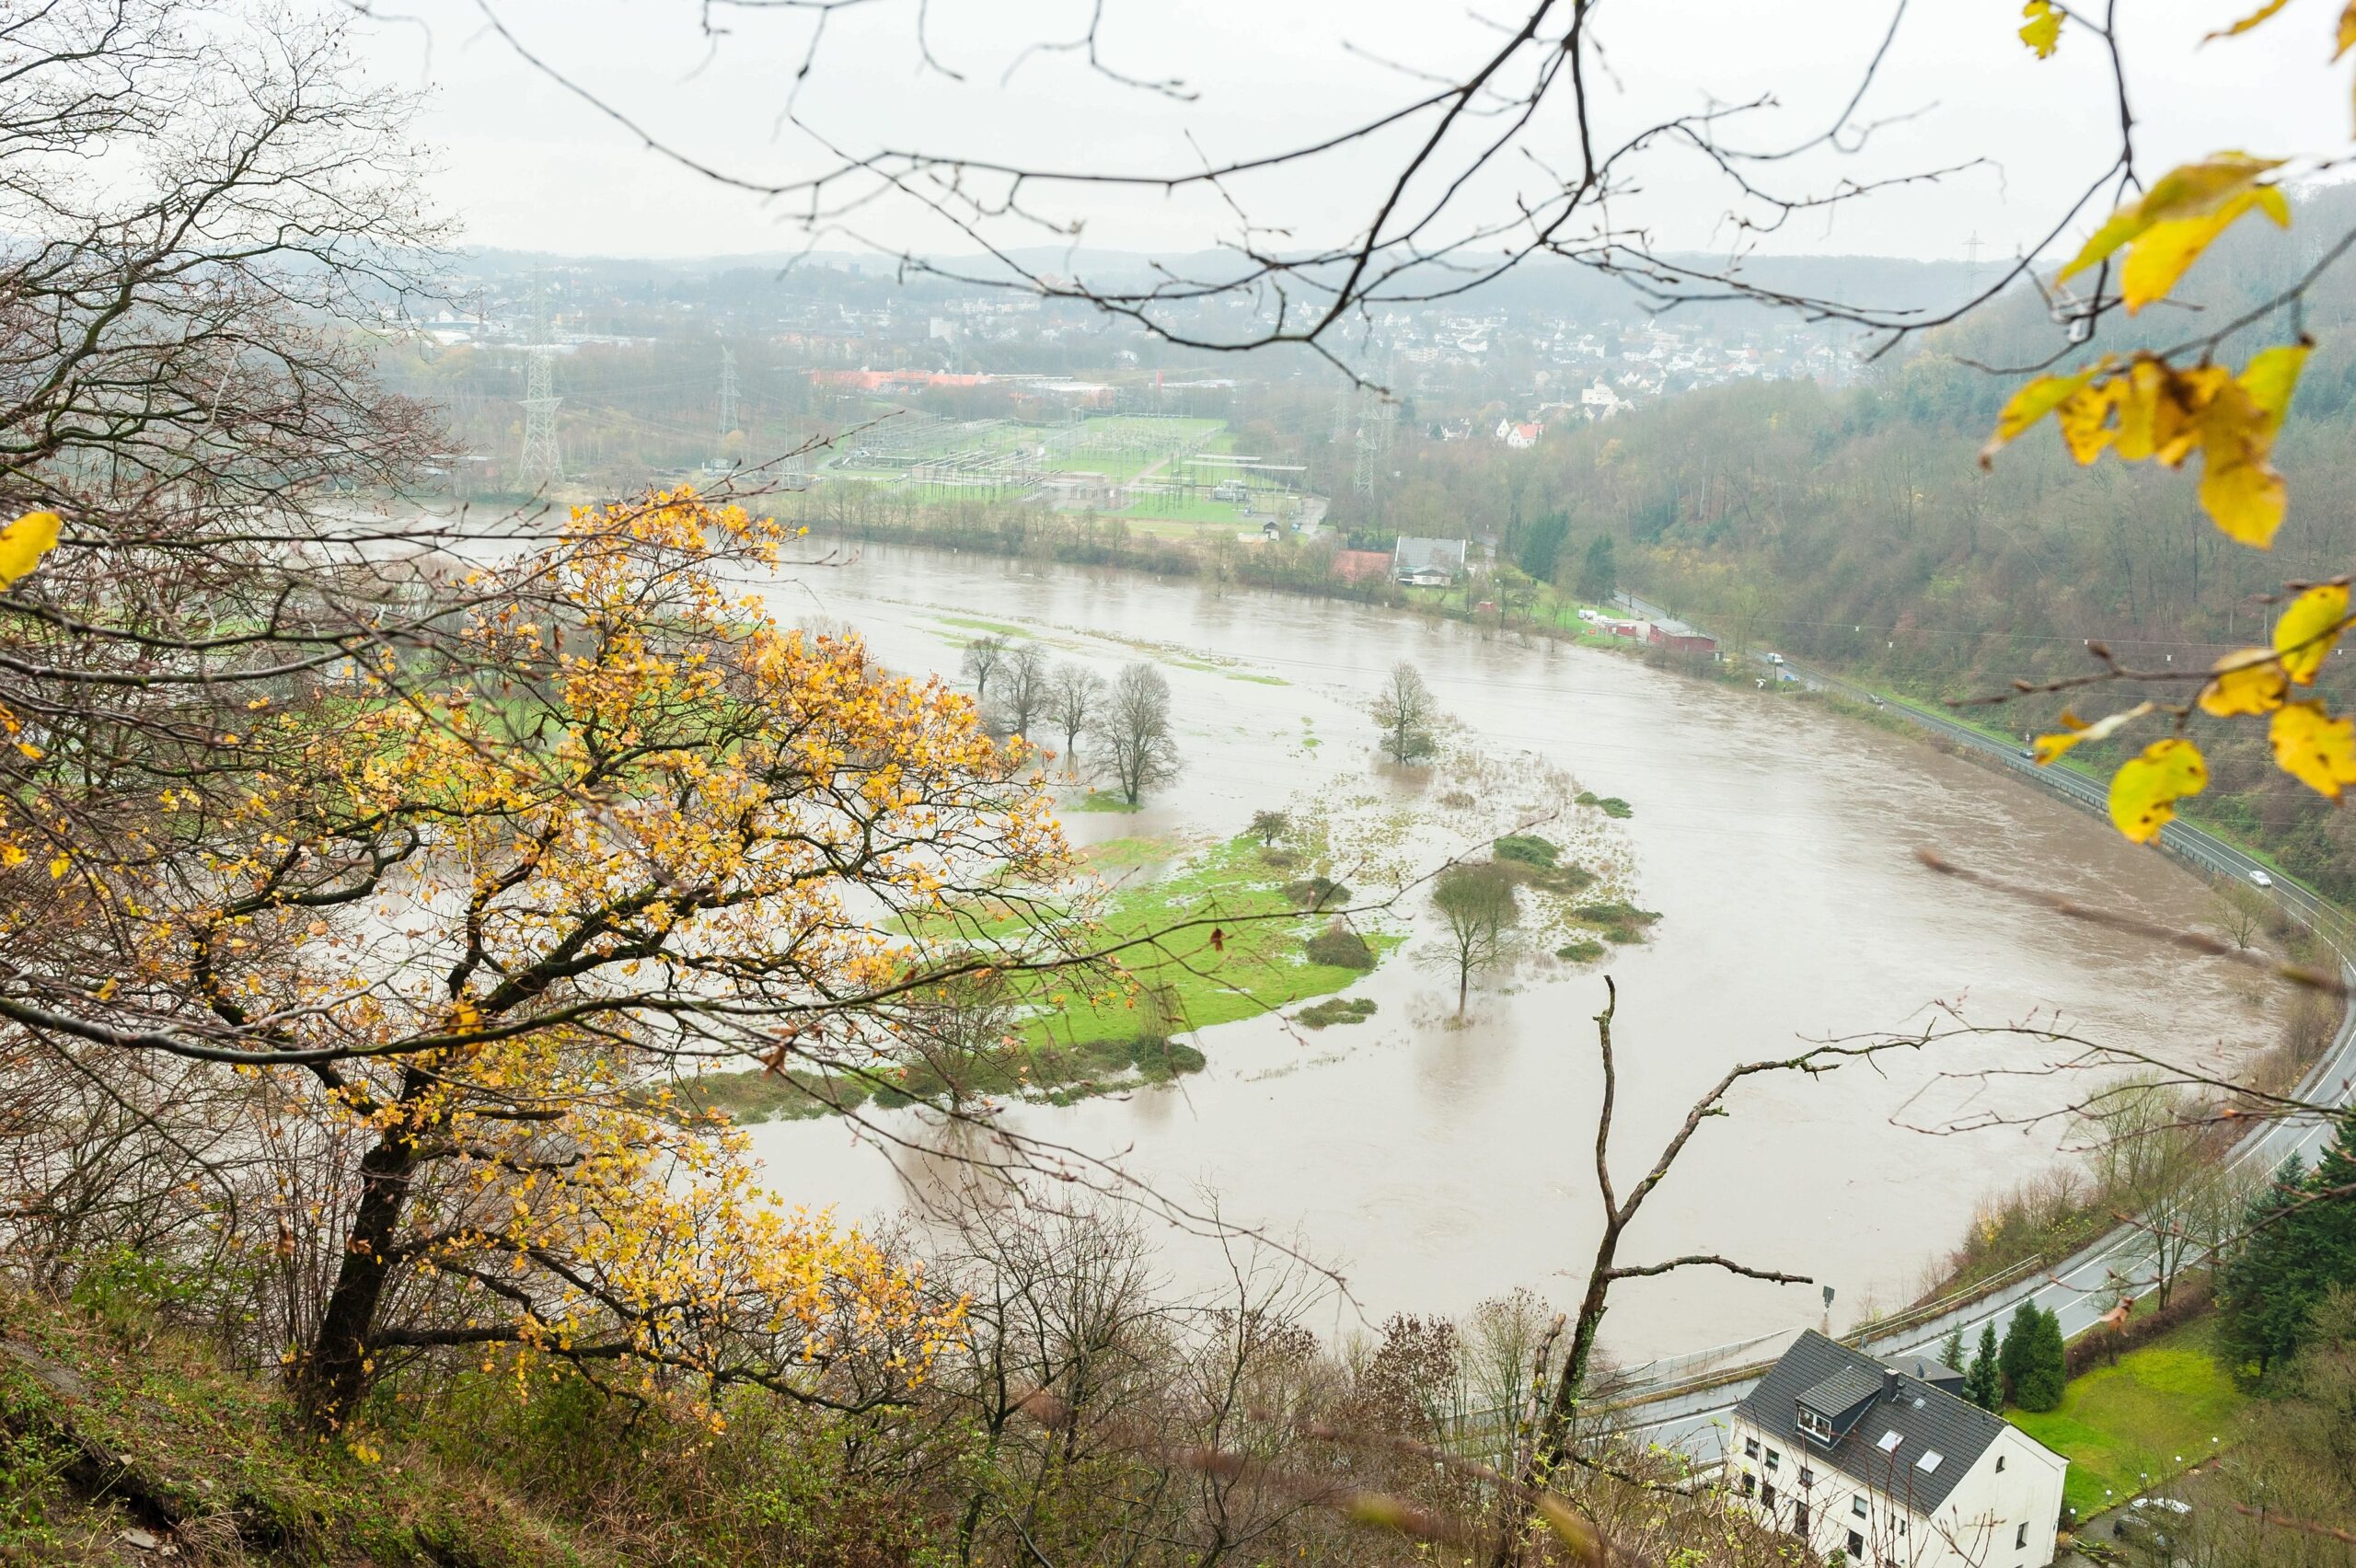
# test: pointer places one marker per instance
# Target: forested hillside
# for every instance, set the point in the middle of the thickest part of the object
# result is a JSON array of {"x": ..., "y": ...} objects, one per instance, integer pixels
[{"x": 1857, "y": 526}]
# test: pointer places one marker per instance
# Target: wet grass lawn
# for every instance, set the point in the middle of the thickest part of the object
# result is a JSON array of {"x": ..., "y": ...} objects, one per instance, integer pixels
[{"x": 2152, "y": 1414}]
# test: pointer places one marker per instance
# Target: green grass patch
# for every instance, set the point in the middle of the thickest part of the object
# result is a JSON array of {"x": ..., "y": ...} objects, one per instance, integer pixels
[
  {"x": 1259, "y": 680},
  {"x": 1260, "y": 962},
  {"x": 1097, "y": 801},
  {"x": 1610, "y": 805},
  {"x": 1126, "y": 854},
  {"x": 2121, "y": 1422},
  {"x": 1619, "y": 921},
  {"x": 1334, "y": 1010},
  {"x": 972, "y": 623},
  {"x": 1587, "y": 949},
  {"x": 1273, "y": 949},
  {"x": 1528, "y": 849}
]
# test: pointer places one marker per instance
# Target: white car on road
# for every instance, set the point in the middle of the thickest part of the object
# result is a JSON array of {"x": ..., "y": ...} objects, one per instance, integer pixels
[{"x": 2258, "y": 875}]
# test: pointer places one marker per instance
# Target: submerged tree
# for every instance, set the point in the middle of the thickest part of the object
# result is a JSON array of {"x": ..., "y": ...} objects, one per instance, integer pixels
[
  {"x": 983, "y": 658},
  {"x": 1027, "y": 683},
  {"x": 1073, "y": 699},
  {"x": 1405, "y": 711},
  {"x": 1480, "y": 904},
  {"x": 1267, "y": 827},
  {"x": 1133, "y": 731}
]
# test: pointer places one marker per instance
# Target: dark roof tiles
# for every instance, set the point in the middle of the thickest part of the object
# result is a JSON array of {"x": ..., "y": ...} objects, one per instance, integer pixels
[{"x": 1927, "y": 1420}]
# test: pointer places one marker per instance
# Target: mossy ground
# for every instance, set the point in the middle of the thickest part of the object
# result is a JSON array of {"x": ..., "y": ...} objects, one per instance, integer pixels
[{"x": 118, "y": 1438}]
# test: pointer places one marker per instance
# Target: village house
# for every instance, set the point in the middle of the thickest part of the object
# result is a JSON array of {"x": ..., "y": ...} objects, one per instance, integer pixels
[
  {"x": 1426, "y": 563},
  {"x": 1519, "y": 436},
  {"x": 1888, "y": 1465},
  {"x": 1679, "y": 638}
]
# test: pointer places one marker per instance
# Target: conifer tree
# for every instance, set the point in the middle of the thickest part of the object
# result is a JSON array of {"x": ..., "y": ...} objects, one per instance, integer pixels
[
  {"x": 2260, "y": 1301},
  {"x": 1984, "y": 1384},
  {"x": 1951, "y": 1351},
  {"x": 2044, "y": 1371},
  {"x": 2020, "y": 1337}
]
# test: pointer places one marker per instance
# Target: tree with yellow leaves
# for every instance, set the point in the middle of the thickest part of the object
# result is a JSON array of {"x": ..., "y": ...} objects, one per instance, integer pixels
[
  {"x": 474, "y": 928},
  {"x": 2169, "y": 406}
]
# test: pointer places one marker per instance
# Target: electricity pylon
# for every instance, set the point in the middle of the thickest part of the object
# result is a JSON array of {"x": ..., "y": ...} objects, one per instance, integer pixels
[
  {"x": 727, "y": 397},
  {"x": 542, "y": 461}
]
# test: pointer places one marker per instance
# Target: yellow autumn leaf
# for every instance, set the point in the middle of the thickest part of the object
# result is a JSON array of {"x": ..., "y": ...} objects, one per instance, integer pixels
[
  {"x": 2142, "y": 396},
  {"x": 2315, "y": 748},
  {"x": 2076, "y": 732},
  {"x": 58, "y": 866},
  {"x": 2032, "y": 403},
  {"x": 2244, "y": 496},
  {"x": 2144, "y": 790},
  {"x": 2346, "y": 31},
  {"x": 2271, "y": 378},
  {"x": 2247, "y": 22},
  {"x": 2192, "y": 191},
  {"x": 24, "y": 542},
  {"x": 2042, "y": 31},
  {"x": 2163, "y": 252},
  {"x": 2306, "y": 632},
  {"x": 2248, "y": 680},
  {"x": 2084, "y": 421}
]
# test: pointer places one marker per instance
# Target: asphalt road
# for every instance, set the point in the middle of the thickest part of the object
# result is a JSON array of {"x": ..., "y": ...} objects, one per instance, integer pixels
[{"x": 1694, "y": 1420}]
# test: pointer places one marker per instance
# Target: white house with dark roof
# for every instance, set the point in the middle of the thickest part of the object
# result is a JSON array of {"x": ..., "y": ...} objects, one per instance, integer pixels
[
  {"x": 1426, "y": 563},
  {"x": 1886, "y": 1464}
]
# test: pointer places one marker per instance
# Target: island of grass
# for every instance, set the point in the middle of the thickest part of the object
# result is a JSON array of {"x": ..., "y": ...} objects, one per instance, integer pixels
[
  {"x": 1334, "y": 1010},
  {"x": 1249, "y": 935},
  {"x": 1618, "y": 921}
]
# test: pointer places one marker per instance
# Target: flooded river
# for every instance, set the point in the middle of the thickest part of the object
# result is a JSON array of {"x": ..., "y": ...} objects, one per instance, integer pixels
[{"x": 1435, "y": 1166}]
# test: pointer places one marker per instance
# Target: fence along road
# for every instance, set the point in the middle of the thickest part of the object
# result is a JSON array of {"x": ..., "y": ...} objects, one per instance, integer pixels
[{"x": 1687, "y": 1412}]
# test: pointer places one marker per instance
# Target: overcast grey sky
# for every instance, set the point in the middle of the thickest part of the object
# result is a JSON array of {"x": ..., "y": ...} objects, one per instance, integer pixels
[{"x": 527, "y": 165}]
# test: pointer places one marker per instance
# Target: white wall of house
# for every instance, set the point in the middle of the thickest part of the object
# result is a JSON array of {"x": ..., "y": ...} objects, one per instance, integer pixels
[{"x": 1996, "y": 1518}]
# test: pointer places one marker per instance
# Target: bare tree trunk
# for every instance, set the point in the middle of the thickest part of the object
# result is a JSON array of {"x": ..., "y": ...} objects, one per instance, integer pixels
[
  {"x": 334, "y": 1375},
  {"x": 1552, "y": 1443}
]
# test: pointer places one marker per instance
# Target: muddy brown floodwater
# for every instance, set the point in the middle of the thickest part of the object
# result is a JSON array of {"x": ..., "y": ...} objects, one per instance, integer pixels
[{"x": 1436, "y": 1166}]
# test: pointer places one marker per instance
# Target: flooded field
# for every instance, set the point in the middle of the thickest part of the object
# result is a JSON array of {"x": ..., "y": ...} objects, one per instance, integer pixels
[{"x": 1436, "y": 1163}]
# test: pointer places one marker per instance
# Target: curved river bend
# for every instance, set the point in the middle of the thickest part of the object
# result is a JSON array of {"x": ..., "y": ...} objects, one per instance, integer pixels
[{"x": 1436, "y": 1166}]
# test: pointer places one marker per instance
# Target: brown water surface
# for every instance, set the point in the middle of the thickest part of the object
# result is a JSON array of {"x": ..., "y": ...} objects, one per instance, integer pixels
[{"x": 1435, "y": 1165}]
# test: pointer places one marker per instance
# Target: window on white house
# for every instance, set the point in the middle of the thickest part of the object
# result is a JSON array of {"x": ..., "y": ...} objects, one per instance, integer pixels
[
  {"x": 1807, "y": 1476},
  {"x": 1749, "y": 1483},
  {"x": 1857, "y": 1507},
  {"x": 1772, "y": 1458},
  {"x": 1814, "y": 1426},
  {"x": 1856, "y": 1547},
  {"x": 2020, "y": 1538},
  {"x": 1750, "y": 1447},
  {"x": 1889, "y": 1441},
  {"x": 2000, "y": 1464}
]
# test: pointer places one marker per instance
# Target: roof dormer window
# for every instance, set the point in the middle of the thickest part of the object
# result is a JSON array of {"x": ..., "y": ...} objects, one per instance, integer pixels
[{"x": 1814, "y": 1426}]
